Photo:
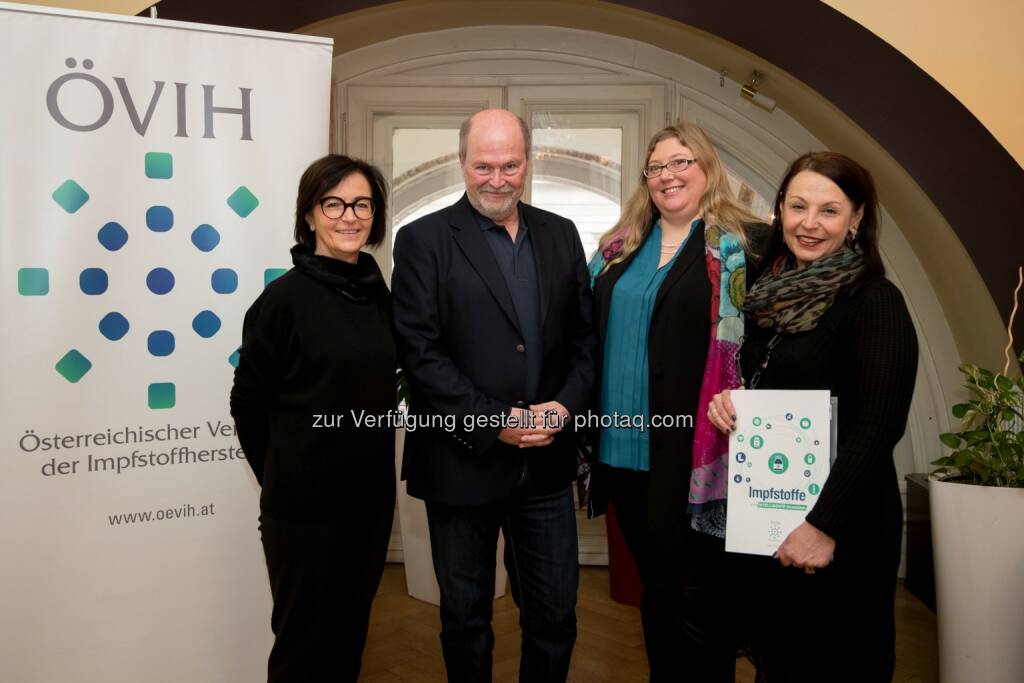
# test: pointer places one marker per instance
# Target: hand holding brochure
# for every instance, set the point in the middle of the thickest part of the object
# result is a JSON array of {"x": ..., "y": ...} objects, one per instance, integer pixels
[{"x": 779, "y": 458}]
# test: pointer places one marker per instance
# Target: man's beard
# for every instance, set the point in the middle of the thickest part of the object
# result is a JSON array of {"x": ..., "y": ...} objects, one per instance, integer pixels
[{"x": 492, "y": 209}]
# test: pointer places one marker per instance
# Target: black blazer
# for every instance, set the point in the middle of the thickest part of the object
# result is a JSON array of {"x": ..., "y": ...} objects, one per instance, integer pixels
[
  {"x": 460, "y": 345},
  {"x": 677, "y": 347}
]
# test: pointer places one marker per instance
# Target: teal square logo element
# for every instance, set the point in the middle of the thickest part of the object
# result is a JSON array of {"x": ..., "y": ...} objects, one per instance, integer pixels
[
  {"x": 161, "y": 395},
  {"x": 271, "y": 274},
  {"x": 70, "y": 196},
  {"x": 242, "y": 201},
  {"x": 159, "y": 165},
  {"x": 33, "y": 281},
  {"x": 73, "y": 366}
]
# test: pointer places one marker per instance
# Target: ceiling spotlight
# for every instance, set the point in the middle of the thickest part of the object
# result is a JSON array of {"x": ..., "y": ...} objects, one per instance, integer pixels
[{"x": 750, "y": 91}]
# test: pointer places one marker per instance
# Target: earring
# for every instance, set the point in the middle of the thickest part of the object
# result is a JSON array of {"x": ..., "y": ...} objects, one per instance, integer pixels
[
  {"x": 310, "y": 227},
  {"x": 851, "y": 237}
]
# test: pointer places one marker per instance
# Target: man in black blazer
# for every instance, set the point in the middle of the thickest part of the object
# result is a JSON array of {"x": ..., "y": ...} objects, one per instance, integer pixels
[{"x": 492, "y": 311}]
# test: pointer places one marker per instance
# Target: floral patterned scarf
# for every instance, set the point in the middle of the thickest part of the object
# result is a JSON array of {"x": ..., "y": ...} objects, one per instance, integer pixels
[{"x": 726, "y": 268}]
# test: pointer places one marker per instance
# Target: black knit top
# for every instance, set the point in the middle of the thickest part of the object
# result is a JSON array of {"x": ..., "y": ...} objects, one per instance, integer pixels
[
  {"x": 864, "y": 350},
  {"x": 317, "y": 345}
]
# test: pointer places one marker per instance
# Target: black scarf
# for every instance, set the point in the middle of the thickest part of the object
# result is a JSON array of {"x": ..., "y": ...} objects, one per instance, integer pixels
[{"x": 359, "y": 282}]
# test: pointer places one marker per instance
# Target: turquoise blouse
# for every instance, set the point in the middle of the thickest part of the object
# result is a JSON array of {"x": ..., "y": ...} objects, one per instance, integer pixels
[{"x": 624, "y": 383}]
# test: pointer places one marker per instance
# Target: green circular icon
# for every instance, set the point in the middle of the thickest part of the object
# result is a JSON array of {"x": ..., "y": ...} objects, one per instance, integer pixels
[
  {"x": 756, "y": 441},
  {"x": 756, "y": 421},
  {"x": 739, "y": 438},
  {"x": 805, "y": 422},
  {"x": 799, "y": 440},
  {"x": 814, "y": 489},
  {"x": 778, "y": 463},
  {"x": 809, "y": 458}
]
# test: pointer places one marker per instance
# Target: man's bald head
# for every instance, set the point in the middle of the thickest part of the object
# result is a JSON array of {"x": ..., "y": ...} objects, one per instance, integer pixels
[{"x": 490, "y": 119}]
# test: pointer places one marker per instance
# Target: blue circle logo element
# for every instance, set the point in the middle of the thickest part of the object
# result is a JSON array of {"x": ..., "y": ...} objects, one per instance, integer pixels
[
  {"x": 159, "y": 218},
  {"x": 224, "y": 281},
  {"x": 206, "y": 324},
  {"x": 112, "y": 236},
  {"x": 205, "y": 237},
  {"x": 113, "y": 326},
  {"x": 93, "y": 281},
  {"x": 160, "y": 280},
  {"x": 160, "y": 343}
]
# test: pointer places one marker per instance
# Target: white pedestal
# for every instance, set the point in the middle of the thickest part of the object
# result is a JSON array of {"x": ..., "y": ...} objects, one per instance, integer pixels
[
  {"x": 979, "y": 571},
  {"x": 419, "y": 567}
]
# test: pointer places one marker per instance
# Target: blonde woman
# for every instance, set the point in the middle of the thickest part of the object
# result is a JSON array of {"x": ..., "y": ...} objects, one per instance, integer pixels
[{"x": 668, "y": 288}]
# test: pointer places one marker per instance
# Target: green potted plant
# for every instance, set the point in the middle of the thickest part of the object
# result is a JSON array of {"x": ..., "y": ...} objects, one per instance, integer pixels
[{"x": 977, "y": 511}]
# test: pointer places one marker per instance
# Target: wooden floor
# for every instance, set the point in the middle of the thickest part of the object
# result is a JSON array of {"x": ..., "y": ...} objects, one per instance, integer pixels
[{"x": 403, "y": 644}]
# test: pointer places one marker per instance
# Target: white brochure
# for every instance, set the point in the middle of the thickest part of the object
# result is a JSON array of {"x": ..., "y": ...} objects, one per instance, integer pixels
[{"x": 779, "y": 458}]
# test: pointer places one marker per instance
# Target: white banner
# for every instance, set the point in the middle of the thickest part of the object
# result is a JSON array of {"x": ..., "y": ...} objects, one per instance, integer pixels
[{"x": 148, "y": 173}]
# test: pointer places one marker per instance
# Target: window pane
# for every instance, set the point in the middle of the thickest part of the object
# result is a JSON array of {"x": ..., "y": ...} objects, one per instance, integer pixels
[
  {"x": 592, "y": 212},
  {"x": 425, "y": 172},
  {"x": 577, "y": 173}
]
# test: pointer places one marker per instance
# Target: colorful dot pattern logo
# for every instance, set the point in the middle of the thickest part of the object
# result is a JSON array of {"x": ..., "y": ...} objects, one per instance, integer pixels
[
  {"x": 778, "y": 463},
  {"x": 93, "y": 281}
]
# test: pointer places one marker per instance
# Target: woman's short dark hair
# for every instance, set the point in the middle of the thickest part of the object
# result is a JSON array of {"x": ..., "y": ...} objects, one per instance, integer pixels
[
  {"x": 325, "y": 173},
  {"x": 856, "y": 183}
]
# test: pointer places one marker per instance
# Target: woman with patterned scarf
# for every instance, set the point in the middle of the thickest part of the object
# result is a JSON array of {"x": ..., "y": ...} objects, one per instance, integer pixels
[
  {"x": 669, "y": 281},
  {"x": 823, "y": 316}
]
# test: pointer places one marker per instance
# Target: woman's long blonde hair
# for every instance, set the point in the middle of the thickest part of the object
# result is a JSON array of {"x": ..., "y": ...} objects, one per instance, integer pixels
[{"x": 718, "y": 206}]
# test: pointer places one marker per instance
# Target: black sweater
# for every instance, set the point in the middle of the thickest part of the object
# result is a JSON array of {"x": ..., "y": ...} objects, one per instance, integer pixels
[
  {"x": 317, "y": 341},
  {"x": 864, "y": 350}
]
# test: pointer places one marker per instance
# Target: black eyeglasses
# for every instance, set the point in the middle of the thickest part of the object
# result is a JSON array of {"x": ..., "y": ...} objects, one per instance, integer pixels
[
  {"x": 674, "y": 166},
  {"x": 335, "y": 207}
]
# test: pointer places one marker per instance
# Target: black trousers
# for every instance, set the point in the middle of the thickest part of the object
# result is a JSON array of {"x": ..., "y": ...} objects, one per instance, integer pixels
[
  {"x": 835, "y": 625},
  {"x": 323, "y": 577},
  {"x": 686, "y": 607},
  {"x": 701, "y": 605}
]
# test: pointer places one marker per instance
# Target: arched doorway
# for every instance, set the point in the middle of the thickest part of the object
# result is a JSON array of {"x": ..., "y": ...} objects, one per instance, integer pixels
[{"x": 592, "y": 109}]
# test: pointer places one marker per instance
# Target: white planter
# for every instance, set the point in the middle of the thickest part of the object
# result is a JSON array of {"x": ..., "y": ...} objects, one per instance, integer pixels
[
  {"x": 420, "y": 580},
  {"x": 978, "y": 538}
]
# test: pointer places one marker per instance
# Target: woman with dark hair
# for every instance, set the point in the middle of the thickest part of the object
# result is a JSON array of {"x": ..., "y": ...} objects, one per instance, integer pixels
[
  {"x": 822, "y": 316},
  {"x": 669, "y": 281},
  {"x": 316, "y": 352}
]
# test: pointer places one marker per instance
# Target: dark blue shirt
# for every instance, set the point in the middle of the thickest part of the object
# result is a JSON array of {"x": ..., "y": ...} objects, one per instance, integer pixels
[{"x": 519, "y": 268}]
